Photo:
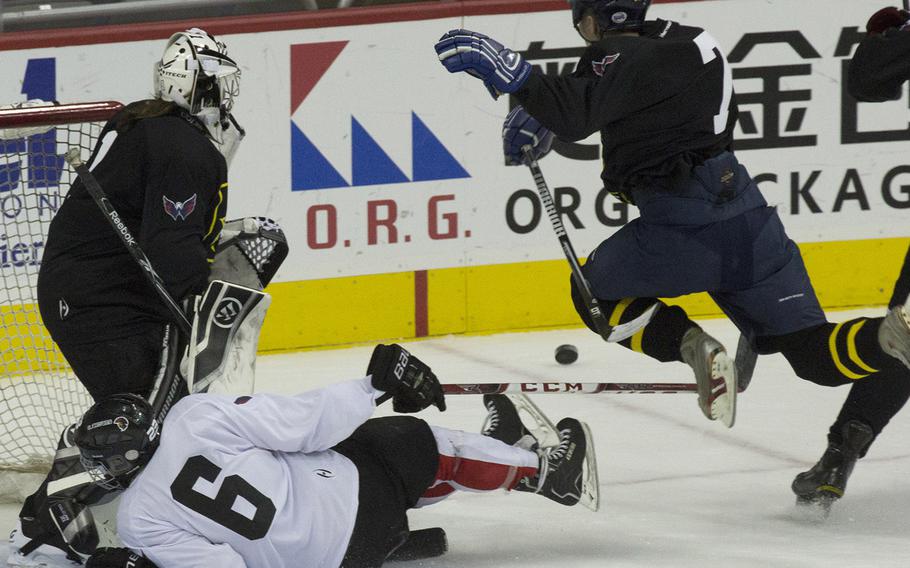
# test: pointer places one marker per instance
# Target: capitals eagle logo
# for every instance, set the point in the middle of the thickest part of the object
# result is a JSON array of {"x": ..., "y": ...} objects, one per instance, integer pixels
[
  {"x": 177, "y": 210},
  {"x": 601, "y": 66}
]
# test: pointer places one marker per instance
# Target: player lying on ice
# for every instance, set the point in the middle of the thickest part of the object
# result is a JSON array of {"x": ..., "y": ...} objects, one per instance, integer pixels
[{"x": 307, "y": 480}]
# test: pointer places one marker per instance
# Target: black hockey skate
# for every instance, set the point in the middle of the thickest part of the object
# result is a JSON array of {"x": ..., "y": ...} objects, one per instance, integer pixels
[
  {"x": 515, "y": 420},
  {"x": 826, "y": 481},
  {"x": 568, "y": 471},
  {"x": 503, "y": 422}
]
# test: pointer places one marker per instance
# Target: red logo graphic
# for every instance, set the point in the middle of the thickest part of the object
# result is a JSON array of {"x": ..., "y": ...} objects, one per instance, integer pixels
[
  {"x": 601, "y": 66},
  {"x": 177, "y": 210}
]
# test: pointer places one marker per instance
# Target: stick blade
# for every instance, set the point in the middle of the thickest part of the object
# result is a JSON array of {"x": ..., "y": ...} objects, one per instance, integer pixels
[{"x": 421, "y": 544}]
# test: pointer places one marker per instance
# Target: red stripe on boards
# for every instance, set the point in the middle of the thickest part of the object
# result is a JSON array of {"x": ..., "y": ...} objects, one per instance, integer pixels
[{"x": 421, "y": 304}]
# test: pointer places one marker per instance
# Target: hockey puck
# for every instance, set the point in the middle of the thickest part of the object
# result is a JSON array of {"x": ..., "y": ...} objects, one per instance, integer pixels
[{"x": 566, "y": 354}]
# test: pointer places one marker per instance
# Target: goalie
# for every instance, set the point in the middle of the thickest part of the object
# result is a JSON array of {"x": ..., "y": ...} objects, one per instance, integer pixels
[
  {"x": 271, "y": 481},
  {"x": 163, "y": 164}
]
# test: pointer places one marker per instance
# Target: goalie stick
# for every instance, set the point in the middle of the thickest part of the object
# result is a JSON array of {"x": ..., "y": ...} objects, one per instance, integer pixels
[
  {"x": 165, "y": 388},
  {"x": 421, "y": 544},
  {"x": 74, "y": 159},
  {"x": 612, "y": 333}
]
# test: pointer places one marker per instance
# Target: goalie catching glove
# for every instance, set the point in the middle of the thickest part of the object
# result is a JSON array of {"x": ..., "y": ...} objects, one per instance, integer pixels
[
  {"x": 405, "y": 379},
  {"x": 118, "y": 558}
]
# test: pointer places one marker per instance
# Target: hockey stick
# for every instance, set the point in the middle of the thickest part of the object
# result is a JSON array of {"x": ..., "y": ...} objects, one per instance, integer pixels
[
  {"x": 609, "y": 332},
  {"x": 567, "y": 387},
  {"x": 74, "y": 159},
  {"x": 745, "y": 357}
]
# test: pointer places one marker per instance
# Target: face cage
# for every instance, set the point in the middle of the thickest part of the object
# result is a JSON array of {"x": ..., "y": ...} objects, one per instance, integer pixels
[{"x": 101, "y": 475}]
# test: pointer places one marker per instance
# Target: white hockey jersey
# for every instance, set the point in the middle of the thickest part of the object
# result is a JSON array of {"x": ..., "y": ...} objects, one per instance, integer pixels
[{"x": 250, "y": 481}]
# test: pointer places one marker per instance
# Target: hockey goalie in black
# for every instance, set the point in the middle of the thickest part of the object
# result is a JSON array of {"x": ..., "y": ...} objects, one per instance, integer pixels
[
  {"x": 163, "y": 165},
  {"x": 661, "y": 95}
]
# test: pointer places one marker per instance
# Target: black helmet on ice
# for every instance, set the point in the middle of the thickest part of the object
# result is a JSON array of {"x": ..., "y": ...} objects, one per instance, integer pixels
[{"x": 116, "y": 437}]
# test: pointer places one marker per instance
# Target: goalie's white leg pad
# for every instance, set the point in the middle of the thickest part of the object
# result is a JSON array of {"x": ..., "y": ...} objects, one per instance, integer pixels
[{"x": 225, "y": 336}]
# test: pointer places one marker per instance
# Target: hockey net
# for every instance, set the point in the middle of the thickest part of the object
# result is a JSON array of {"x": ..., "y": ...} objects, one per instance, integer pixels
[{"x": 39, "y": 395}]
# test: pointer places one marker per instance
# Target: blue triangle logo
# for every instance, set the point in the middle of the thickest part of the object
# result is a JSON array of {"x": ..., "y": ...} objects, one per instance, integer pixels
[
  {"x": 371, "y": 165},
  {"x": 432, "y": 161},
  {"x": 309, "y": 168}
]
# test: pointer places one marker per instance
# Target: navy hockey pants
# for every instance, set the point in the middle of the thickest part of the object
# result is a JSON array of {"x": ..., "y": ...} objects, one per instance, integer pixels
[{"x": 746, "y": 263}]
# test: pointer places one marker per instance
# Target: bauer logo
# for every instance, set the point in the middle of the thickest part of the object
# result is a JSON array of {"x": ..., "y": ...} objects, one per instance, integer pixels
[{"x": 370, "y": 163}]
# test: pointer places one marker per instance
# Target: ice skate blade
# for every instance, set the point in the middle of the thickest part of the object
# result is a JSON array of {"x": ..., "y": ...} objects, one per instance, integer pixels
[
  {"x": 535, "y": 421},
  {"x": 723, "y": 389},
  {"x": 590, "y": 494}
]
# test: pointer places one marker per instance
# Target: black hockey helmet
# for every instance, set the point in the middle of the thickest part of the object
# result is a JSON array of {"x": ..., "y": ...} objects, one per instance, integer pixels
[
  {"x": 612, "y": 15},
  {"x": 116, "y": 437}
]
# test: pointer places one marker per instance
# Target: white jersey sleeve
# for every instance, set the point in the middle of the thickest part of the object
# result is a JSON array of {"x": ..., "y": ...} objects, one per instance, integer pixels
[
  {"x": 180, "y": 548},
  {"x": 250, "y": 481},
  {"x": 307, "y": 422}
]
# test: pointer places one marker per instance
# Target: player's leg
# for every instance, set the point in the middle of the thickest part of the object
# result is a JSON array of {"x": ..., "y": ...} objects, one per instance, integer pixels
[
  {"x": 643, "y": 261},
  {"x": 473, "y": 462},
  {"x": 902, "y": 286},
  {"x": 846, "y": 353},
  {"x": 515, "y": 420},
  {"x": 781, "y": 313},
  {"x": 869, "y": 407},
  {"x": 894, "y": 333},
  {"x": 396, "y": 460}
]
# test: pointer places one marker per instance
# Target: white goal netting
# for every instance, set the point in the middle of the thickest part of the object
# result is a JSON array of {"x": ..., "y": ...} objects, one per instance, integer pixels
[{"x": 39, "y": 395}]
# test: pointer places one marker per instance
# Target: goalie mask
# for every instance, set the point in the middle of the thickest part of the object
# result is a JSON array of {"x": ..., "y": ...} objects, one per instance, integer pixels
[
  {"x": 116, "y": 437},
  {"x": 609, "y": 15},
  {"x": 196, "y": 73}
]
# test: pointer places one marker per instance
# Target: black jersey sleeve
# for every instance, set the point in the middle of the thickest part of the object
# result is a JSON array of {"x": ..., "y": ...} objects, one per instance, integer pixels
[
  {"x": 578, "y": 105},
  {"x": 880, "y": 66},
  {"x": 614, "y": 79},
  {"x": 185, "y": 199}
]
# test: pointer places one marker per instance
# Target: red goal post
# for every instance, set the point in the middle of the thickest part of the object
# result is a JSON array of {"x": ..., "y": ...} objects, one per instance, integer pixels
[{"x": 39, "y": 396}]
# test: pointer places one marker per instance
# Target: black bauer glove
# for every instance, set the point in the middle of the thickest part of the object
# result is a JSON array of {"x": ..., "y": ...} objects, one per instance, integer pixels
[
  {"x": 118, "y": 558},
  {"x": 407, "y": 380}
]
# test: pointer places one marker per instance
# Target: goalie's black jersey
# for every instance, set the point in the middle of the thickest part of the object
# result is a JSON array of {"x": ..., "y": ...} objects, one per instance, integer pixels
[
  {"x": 662, "y": 101},
  {"x": 168, "y": 182},
  {"x": 880, "y": 66}
]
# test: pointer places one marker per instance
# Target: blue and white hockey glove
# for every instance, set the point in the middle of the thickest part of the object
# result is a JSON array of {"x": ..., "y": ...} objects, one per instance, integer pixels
[
  {"x": 521, "y": 129},
  {"x": 501, "y": 69}
]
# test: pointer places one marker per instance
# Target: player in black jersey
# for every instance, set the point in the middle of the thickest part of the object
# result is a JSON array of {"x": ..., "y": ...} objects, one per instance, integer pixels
[
  {"x": 877, "y": 73},
  {"x": 163, "y": 164},
  {"x": 661, "y": 96}
]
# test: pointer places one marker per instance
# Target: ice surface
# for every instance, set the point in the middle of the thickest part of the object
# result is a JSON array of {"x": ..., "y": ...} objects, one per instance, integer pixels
[{"x": 677, "y": 490}]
